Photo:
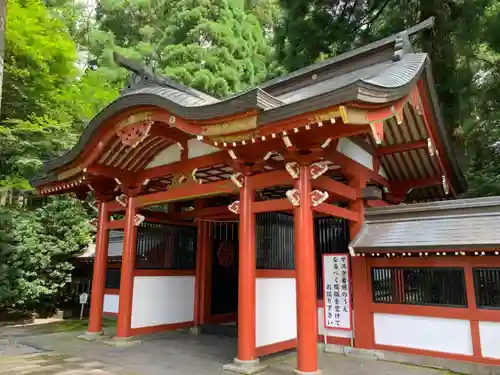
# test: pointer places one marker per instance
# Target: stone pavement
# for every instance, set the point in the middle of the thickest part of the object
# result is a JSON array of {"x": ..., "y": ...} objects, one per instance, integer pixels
[
  {"x": 173, "y": 353},
  {"x": 53, "y": 363}
]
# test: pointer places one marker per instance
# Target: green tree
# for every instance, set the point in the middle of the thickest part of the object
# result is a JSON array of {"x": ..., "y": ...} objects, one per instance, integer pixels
[
  {"x": 47, "y": 99},
  {"x": 212, "y": 45},
  {"x": 36, "y": 248},
  {"x": 467, "y": 80}
]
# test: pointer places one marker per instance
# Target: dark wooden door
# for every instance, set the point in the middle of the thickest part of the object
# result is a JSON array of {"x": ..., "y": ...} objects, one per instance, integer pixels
[{"x": 224, "y": 298}]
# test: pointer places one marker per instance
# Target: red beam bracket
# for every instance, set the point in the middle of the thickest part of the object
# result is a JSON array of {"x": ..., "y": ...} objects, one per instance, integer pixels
[
  {"x": 334, "y": 188},
  {"x": 271, "y": 205},
  {"x": 330, "y": 209}
]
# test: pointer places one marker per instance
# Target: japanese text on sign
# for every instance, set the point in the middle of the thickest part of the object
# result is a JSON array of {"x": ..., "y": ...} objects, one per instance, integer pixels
[{"x": 337, "y": 291}]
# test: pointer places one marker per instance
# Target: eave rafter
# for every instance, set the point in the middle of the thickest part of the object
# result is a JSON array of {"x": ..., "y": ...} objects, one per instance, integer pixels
[{"x": 404, "y": 147}]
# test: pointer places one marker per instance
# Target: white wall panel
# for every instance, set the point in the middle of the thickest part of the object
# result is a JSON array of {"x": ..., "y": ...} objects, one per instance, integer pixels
[
  {"x": 197, "y": 148},
  {"x": 489, "y": 332},
  {"x": 330, "y": 332},
  {"x": 110, "y": 304},
  {"x": 353, "y": 151},
  {"x": 420, "y": 332},
  {"x": 276, "y": 313},
  {"x": 161, "y": 300},
  {"x": 168, "y": 155}
]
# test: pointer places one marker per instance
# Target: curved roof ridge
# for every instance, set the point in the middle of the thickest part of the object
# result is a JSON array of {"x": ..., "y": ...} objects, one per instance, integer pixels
[{"x": 428, "y": 23}]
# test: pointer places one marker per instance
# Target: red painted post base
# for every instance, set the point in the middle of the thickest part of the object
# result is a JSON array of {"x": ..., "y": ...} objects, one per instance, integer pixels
[{"x": 245, "y": 367}]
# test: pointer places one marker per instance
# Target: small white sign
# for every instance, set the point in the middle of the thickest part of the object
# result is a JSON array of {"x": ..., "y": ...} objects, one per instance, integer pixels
[
  {"x": 84, "y": 298},
  {"x": 337, "y": 291}
]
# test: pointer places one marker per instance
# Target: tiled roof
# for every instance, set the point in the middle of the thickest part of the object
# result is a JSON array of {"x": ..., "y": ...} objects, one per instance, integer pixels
[{"x": 463, "y": 224}]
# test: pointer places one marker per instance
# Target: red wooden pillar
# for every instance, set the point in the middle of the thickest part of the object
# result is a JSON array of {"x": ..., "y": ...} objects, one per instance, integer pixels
[
  {"x": 200, "y": 289},
  {"x": 99, "y": 275},
  {"x": 123, "y": 324},
  {"x": 246, "y": 361},
  {"x": 246, "y": 276},
  {"x": 363, "y": 319},
  {"x": 305, "y": 271}
]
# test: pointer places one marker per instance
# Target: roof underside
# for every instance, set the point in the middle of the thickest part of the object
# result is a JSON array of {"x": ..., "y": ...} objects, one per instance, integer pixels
[
  {"x": 374, "y": 76},
  {"x": 465, "y": 224}
]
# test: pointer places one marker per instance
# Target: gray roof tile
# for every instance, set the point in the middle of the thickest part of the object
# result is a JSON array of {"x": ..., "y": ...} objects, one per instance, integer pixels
[{"x": 468, "y": 224}]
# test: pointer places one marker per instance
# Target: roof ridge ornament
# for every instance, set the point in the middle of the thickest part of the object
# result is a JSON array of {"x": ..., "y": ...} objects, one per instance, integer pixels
[
  {"x": 402, "y": 46},
  {"x": 141, "y": 73}
]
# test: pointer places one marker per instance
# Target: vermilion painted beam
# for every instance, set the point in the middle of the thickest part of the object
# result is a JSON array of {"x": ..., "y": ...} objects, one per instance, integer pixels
[
  {"x": 404, "y": 186},
  {"x": 203, "y": 212},
  {"x": 187, "y": 166},
  {"x": 336, "y": 211},
  {"x": 106, "y": 171},
  {"x": 309, "y": 138},
  {"x": 187, "y": 191},
  {"x": 172, "y": 134},
  {"x": 353, "y": 167},
  {"x": 115, "y": 207},
  {"x": 271, "y": 205},
  {"x": 334, "y": 188},
  {"x": 267, "y": 179},
  {"x": 115, "y": 224},
  {"x": 401, "y": 147}
]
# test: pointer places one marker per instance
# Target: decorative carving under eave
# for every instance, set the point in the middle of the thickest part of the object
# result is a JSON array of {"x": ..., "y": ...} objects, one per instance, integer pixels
[
  {"x": 134, "y": 134},
  {"x": 178, "y": 179},
  {"x": 398, "y": 114},
  {"x": 293, "y": 196},
  {"x": 238, "y": 125},
  {"x": 318, "y": 197},
  {"x": 138, "y": 219},
  {"x": 430, "y": 147},
  {"x": 317, "y": 169},
  {"x": 325, "y": 116},
  {"x": 195, "y": 178},
  {"x": 446, "y": 187},
  {"x": 293, "y": 169},
  {"x": 415, "y": 101},
  {"x": 377, "y": 129},
  {"x": 122, "y": 199},
  {"x": 238, "y": 179},
  {"x": 234, "y": 207},
  {"x": 271, "y": 154}
]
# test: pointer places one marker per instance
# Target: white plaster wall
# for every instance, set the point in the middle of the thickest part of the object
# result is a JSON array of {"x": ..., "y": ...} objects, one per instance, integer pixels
[
  {"x": 489, "y": 332},
  {"x": 110, "y": 304},
  {"x": 276, "y": 312},
  {"x": 161, "y": 300},
  {"x": 420, "y": 332},
  {"x": 353, "y": 151},
  {"x": 330, "y": 332},
  {"x": 197, "y": 148},
  {"x": 168, "y": 155}
]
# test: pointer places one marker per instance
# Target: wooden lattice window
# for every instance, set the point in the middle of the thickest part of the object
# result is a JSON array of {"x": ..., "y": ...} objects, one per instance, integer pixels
[
  {"x": 487, "y": 287},
  {"x": 419, "y": 286}
]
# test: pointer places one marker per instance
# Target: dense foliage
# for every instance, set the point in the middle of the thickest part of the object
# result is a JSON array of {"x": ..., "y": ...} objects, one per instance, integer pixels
[
  {"x": 36, "y": 248},
  {"x": 59, "y": 72},
  {"x": 463, "y": 47}
]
